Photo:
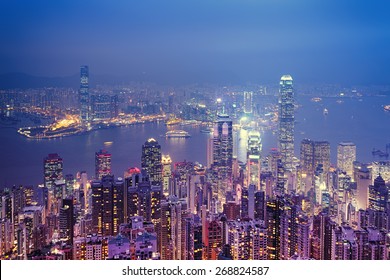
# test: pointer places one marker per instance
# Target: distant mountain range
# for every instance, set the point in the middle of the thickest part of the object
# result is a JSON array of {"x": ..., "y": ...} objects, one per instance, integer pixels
[{"x": 23, "y": 81}]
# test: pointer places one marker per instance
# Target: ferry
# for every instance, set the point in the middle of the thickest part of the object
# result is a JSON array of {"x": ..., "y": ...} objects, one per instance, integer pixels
[
  {"x": 177, "y": 134},
  {"x": 326, "y": 112},
  {"x": 207, "y": 130},
  {"x": 316, "y": 99}
]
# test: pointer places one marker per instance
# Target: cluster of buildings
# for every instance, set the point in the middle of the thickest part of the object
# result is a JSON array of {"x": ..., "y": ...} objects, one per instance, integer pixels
[{"x": 273, "y": 206}]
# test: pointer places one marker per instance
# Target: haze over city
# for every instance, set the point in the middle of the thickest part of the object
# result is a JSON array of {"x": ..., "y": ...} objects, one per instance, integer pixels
[{"x": 176, "y": 42}]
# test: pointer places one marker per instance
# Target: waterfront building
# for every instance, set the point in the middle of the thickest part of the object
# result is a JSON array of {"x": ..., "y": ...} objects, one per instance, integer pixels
[
  {"x": 151, "y": 161},
  {"x": 84, "y": 97},
  {"x": 104, "y": 107},
  {"x": 102, "y": 164}
]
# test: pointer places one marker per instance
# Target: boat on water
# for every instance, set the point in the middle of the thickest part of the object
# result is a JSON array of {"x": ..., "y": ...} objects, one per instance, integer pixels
[
  {"x": 206, "y": 130},
  {"x": 177, "y": 134},
  {"x": 316, "y": 99},
  {"x": 386, "y": 108},
  {"x": 326, "y": 112}
]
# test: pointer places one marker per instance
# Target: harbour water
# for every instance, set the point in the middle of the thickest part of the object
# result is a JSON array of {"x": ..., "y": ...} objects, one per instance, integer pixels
[{"x": 362, "y": 121}]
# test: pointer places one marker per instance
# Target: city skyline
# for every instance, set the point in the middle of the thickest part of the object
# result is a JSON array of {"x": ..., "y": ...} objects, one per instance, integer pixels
[{"x": 251, "y": 130}]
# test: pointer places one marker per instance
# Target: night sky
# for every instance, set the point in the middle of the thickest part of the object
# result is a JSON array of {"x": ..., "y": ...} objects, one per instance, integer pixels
[{"x": 204, "y": 40}]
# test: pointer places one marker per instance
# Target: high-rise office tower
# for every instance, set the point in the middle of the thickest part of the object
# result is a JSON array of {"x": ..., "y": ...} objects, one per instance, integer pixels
[
  {"x": 378, "y": 195},
  {"x": 102, "y": 164},
  {"x": 104, "y": 107},
  {"x": 166, "y": 173},
  {"x": 85, "y": 107},
  {"x": 381, "y": 168},
  {"x": 273, "y": 222},
  {"x": 171, "y": 229},
  {"x": 362, "y": 177},
  {"x": 66, "y": 221},
  {"x": 346, "y": 155},
  {"x": 223, "y": 146},
  {"x": 151, "y": 161},
  {"x": 248, "y": 240},
  {"x": 253, "y": 159},
  {"x": 144, "y": 200},
  {"x": 286, "y": 121},
  {"x": 53, "y": 170},
  {"x": 314, "y": 153},
  {"x": 222, "y": 155},
  {"x": 248, "y": 107},
  {"x": 107, "y": 205},
  {"x": 323, "y": 238}
]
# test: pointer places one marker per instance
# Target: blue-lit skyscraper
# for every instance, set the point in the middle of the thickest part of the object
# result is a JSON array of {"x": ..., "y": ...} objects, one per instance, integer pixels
[
  {"x": 85, "y": 107},
  {"x": 286, "y": 121}
]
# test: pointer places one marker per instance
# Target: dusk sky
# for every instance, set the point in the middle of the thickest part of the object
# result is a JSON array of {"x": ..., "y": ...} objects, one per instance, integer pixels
[{"x": 243, "y": 40}]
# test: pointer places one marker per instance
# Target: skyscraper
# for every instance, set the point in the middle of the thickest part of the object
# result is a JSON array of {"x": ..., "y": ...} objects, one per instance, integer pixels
[
  {"x": 85, "y": 107},
  {"x": 151, "y": 161},
  {"x": 248, "y": 107},
  {"x": 166, "y": 173},
  {"x": 314, "y": 153},
  {"x": 346, "y": 155},
  {"x": 222, "y": 155},
  {"x": 102, "y": 164},
  {"x": 378, "y": 195},
  {"x": 171, "y": 229},
  {"x": 66, "y": 221},
  {"x": 107, "y": 205},
  {"x": 286, "y": 121},
  {"x": 253, "y": 159},
  {"x": 53, "y": 170}
]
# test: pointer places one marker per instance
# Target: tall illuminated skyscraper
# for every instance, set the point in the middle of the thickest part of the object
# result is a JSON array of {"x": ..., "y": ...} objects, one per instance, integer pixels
[
  {"x": 314, "y": 153},
  {"x": 151, "y": 161},
  {"x": 286, "y": 121},
  {"x": 167, "y": 173},
  {"x": 248, "y": 108},
  {"x": 107, "y": 205},
  {"x": 53, "y": 167},
  {"x": 223, "y": 145},
  {"x": 346, "y": 155},
  {"x": 102, "y": 164},
  {"x": 222, "y": 155},
  {"x": 84, "y": 97},
  {"x": 253, "y": 159},
  {"x": 66, "y": 221}
]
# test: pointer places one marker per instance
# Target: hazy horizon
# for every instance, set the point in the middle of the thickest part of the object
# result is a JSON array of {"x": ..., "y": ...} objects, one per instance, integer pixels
[{"x": 199, "y": 41}]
